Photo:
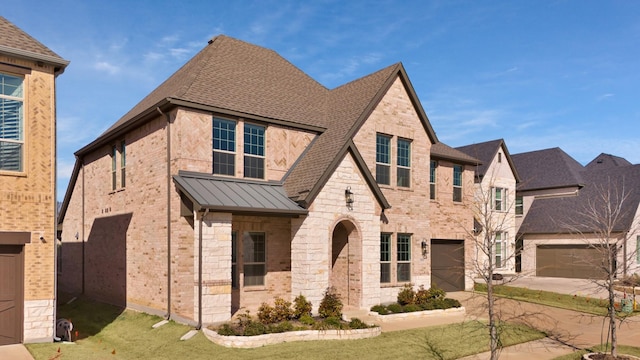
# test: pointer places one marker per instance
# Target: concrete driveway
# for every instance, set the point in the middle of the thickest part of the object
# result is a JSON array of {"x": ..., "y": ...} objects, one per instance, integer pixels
[{"x": 580, "y": 287}]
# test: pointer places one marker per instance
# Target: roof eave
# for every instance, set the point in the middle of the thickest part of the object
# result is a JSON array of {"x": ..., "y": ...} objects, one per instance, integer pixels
[{"x": 58, "y": 63}]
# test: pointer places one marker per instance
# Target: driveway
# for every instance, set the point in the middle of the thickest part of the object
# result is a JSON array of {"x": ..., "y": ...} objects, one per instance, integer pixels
[{"x": 580, "y": 287}]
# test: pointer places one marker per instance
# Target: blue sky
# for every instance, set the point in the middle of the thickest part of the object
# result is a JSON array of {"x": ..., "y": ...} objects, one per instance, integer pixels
[{"x": 539, "y": 74}]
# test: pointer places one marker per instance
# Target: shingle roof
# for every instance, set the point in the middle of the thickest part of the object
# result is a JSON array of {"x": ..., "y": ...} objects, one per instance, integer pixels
[
  {"x": 557, "y": 215},
  {"x": 547, "y": 169},
  {"x": 486, "y": 152},
  {"x": 605, "y": 161},
  {"x": 445, "y": 152},
  {"x": 15, "y": 42}
]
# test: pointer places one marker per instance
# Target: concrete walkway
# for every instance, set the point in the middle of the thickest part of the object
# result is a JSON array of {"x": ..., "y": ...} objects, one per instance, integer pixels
[{"x": 15, "y": 352}]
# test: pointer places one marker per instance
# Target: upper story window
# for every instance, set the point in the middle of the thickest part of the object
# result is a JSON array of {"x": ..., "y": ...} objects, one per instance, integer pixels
[
  {"x": 11, "y": 123},
  {"x": 404, "y": 163},
  {"x": 224, "y": 147},
  {"x": 254, "y": 151},
  {"x": 519, "y": 205},
  {"x": 457, "y": 183},
  {"x": 499, "y": 199},
  {"x": 118, "y": 151},
  {"x": 432, "y": 179},
  {"x": 383, "y": 159}
]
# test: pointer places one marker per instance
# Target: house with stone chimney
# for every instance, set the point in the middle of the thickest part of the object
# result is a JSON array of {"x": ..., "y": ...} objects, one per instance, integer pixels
[
  {"x": 28, "y": 72},
  {"x": 241, "y": 179}
]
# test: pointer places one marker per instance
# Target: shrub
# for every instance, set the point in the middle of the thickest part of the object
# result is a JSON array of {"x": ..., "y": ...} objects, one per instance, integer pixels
[
  {"x": 330, "y": 306},
  {"x": 422, "y": 295},
  {"x": 356, "y": 323},
  {"x": 333, "y": 322},
  {"x": 244, "y": 319},
  {"x": 266, "y": 314},
  {"x": 407, "y": 295},
  {"x": 395, "y": 308},
  {"x": 436, "y": 292},
  {"x": 307, "y": 319},
  {"x": 226, "y": 330},
  {"x": 411, "y": 308},
  {"x": 281, "y": 327},
  {"x": 301, "y": 307},
  {"x": 255, "y": 328},
  {"x": 380, "y": 309},
  {"x": 282, "y": 310},
  {"x": 452, "y": 303}
]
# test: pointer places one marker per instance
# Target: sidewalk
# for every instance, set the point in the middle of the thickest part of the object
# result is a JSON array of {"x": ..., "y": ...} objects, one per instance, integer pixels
[{"x": 15, "y": 352}]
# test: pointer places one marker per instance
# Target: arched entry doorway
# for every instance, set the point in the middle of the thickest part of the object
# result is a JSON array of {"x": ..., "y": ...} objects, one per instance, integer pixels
[{"x": 346, "y": 263}]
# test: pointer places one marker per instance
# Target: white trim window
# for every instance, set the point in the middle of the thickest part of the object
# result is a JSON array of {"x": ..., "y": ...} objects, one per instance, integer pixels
[
  {"x": 403, "y": 251},
  {"x": 254, "y": 142},
  {"x": 499, "y": 199},
  {"x": 224, "y": 147},
  {"x": 383, "y": 159},
  {"x": 385, "y": 258},
  {"x": 432, "y": 179},
  {"x": 403, "y": 172},
  {"x": 11, "y": 123},
  {"x": 501, "y": 242},
  {"x": 457, "y": 183}
]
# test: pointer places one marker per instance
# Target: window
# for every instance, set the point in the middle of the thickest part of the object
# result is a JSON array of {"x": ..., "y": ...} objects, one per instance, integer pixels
[
  {"x": 383, "y": 159},
  {"x": 638, "y": 249},
  {"x": 123, "y": 164},
  {"x": 11, "y": 123},
  {"x": 404, "y": 258},
  {"x": 385, "y": 258},
  {"x": 404, "y": 163},
  {"x": 500, "y": 249},
  {"x": 457, "y": 183},
  {"x": 253, "y": 151},
  {"x": 114, "y": 161},
  {"x": 432, "y": 179},
  {"x": 500, "y": 199},
  {"x": 519, "y": 205},
  {"x": 234, "y": 260},
  {"x": 499, "y": 157},
  {"x": 255, "y": 265},
  {"x": 224, "y": 147}
]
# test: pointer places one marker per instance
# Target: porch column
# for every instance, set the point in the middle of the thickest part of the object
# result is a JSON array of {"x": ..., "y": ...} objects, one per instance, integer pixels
[{"x": 216, "y": 268}]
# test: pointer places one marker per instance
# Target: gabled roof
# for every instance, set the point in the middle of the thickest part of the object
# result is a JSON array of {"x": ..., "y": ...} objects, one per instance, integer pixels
[
  {"x": 442, "y": 151},
  {"x": 547, "y": 169},
  {"x": 15, "y": 42},
  {"x": 556, "y": 215},
  {"x": 605, "y": 161},
  {"x": 236, "y": 195},
  {"x": 486, "y": 152}
]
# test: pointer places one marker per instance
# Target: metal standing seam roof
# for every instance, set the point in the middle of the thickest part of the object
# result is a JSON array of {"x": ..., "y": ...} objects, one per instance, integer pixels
[{"x": 236, "y": 196}]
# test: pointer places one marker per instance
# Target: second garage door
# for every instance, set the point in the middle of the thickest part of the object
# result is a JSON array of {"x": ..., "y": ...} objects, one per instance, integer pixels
[{"x": 570, "y": 261}]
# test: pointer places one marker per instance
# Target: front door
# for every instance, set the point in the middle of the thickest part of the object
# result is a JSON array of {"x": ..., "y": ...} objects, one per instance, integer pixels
[{"x": 11, "y": 293}]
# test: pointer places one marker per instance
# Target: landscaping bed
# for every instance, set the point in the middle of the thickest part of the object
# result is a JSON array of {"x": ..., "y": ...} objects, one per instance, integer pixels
[{"x": 421, "y": 303}]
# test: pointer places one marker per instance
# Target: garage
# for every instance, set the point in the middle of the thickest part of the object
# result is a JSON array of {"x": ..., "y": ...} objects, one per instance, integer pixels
[
  {"x": 11, "y": 293},
  {"x": 570, "y": 261},
  {"x": 447, "y": 264}
]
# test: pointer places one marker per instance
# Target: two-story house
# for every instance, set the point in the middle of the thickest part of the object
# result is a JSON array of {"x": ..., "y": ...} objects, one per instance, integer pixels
[
  {"x": 241, "y": 178},
  {"x": 28, "y": 72},
  {"x": 495, "y": 207}
]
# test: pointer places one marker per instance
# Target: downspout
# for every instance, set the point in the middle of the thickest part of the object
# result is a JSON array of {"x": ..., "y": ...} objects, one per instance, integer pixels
[
  {"x": 83, "y": 224},
  {"x": 168, "y": 314},
  {"x": 206, "y": 211}
]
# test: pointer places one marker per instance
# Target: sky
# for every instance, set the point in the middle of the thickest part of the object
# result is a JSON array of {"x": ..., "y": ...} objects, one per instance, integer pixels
[{"x": 538, "y": 74}]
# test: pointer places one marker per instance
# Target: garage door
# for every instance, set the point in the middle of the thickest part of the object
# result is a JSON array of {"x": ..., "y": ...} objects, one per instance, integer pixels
[
  {"x": 570, "y": 261},
  {"x": 447, "y": 264},
  {"x": 11, "y": 285}
]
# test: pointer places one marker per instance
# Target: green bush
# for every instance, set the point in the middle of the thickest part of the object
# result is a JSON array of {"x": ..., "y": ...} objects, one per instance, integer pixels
[
  {"x": 266, "y": 314},
  {"x": 422, "y": 295},
  {"x": 254, "y": 328},
  {"x": 301, "y": 307},
  {"x": 333, "y": 322},
  {"x": 307, "y": 319},
  {"x": 282, "y": 310},
  {"x": 452, "y": 303},
  {"x": 436, "y": 292},
  {"x": 226, "y": 330},
  {"x": 330, "y": 306},
  {"x": 406, "y": 295},
  {"x": 356, "y": 323},
  {"x": 380, "y": 309},
  {"x": 395, "y": 308},
  {"x": 281, "y": 327},
  {"x": 411, "y": 308}
]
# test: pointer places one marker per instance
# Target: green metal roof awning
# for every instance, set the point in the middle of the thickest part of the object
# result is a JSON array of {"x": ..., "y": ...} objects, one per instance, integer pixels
[{"x": 236, "y": 195}]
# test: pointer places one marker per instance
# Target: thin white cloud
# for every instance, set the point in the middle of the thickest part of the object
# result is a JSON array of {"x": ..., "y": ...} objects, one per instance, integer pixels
[
  {"x": 106, "y": 67},
  {"x": 605, "y": 96}
]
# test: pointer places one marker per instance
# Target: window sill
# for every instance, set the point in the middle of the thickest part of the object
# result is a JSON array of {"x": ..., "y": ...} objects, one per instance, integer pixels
[
  {"x": 13, "y": 173},
  {"x": 117, "y": 191},
  {"x": 254, "y": 288}
]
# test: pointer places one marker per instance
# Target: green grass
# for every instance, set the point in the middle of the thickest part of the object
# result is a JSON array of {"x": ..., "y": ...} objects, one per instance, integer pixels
[
  {"x": 622, "y": 349},
  {"x": 106, "y": 332},
  {"x": 571, "y": 302}
]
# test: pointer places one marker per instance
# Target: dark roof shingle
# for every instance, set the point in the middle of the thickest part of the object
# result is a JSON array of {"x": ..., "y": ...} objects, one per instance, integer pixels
[
  {"x": 16, "y": 42},
  {"x": 547, "y": 169}
]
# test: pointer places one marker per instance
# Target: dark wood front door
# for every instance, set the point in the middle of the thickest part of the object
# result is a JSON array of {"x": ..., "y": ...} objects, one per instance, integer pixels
[{"x": 11, "y": 293}]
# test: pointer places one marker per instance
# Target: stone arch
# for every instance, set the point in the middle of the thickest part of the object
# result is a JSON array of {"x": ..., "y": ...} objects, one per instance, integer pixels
[{"x": 346, "y": 262}]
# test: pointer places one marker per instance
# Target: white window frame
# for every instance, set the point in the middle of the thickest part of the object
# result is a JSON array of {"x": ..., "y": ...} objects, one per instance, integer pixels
[
  {"x": 386, "y": 256},
  {"x": 404, "y": 168},
  {"x": 457, "y": 188},
  {"x": 260, "y": 148},
  {"x": 20, "y": 126},
  {"x": 499, "y": 202},
  {"x": 500, "y": 249},
  {"x": 405, "y": 262},
  {"x": 380, "y": 164},
  {"x": 220, "y": 149}
]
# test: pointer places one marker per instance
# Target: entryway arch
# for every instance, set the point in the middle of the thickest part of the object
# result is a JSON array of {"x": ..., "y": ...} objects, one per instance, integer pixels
[{"x": 346, "y": 262}]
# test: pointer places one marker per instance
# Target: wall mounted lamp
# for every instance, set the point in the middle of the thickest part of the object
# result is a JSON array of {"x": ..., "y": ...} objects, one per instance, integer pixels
[
  {"x": 425, "y": 248},
  {"x": 348, "y": 197}
]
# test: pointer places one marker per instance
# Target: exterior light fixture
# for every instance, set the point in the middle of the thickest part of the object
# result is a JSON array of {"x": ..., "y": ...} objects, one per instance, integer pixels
[
  {"x": 348, "y": 198},
  {"x": 425, "y": 249}
]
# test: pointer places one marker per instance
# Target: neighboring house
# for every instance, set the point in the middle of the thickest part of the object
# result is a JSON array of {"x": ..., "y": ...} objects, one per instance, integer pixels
[
  {"x": 556, "y": 189},
  {"x": 495, "y": 205},
  {"x": 28, "y": 72},
  {"x": 240, "y": 179}
]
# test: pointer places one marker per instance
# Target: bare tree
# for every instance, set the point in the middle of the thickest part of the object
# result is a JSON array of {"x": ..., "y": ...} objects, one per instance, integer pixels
[{"x": 605, "y": 222}]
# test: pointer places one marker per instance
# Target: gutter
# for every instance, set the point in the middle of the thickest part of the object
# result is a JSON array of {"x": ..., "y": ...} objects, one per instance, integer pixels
[{"x": 168, "y": 314}]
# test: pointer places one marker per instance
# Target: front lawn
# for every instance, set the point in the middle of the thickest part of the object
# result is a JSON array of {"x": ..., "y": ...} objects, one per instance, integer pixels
[
  {"x": 106, "y": 332},
  {"x": 571, "y": 302}
]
